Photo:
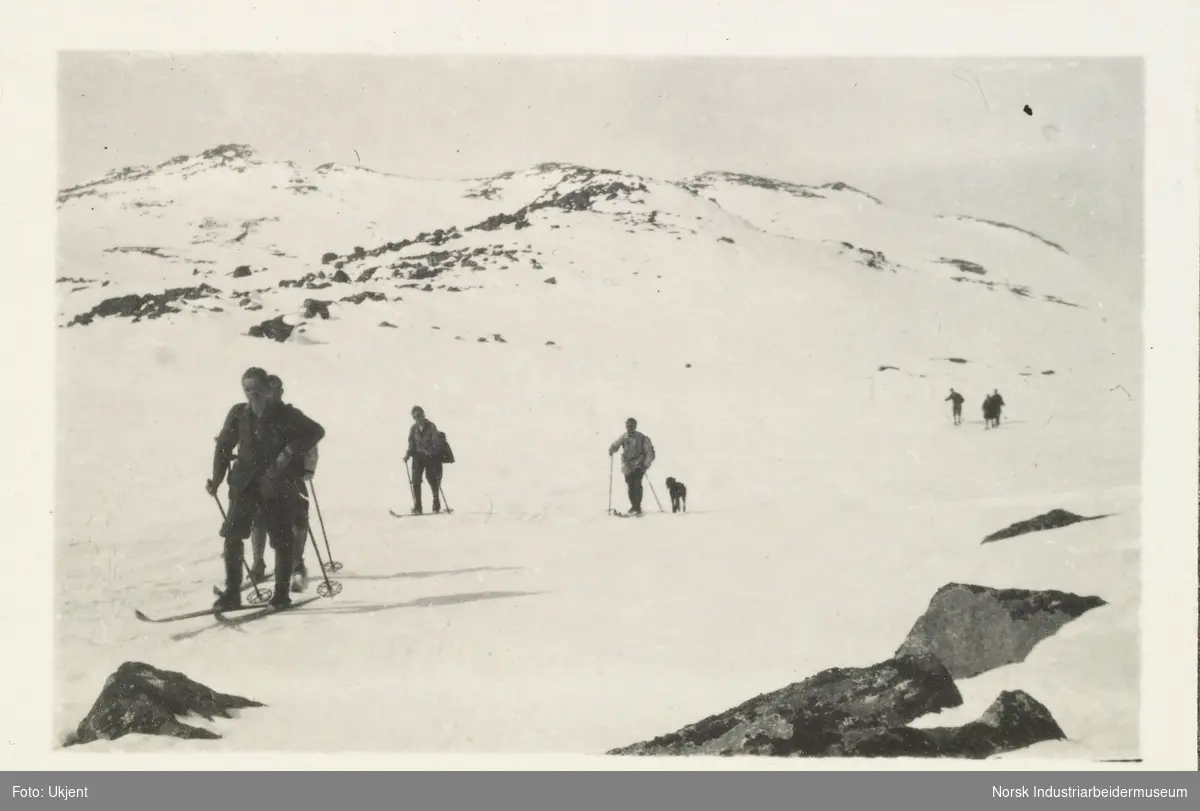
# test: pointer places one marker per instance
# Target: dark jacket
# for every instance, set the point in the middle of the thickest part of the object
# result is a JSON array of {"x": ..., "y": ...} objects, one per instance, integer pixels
[
  {"x": 260, "y": 440},
  {"x": 428, "y": 444}
]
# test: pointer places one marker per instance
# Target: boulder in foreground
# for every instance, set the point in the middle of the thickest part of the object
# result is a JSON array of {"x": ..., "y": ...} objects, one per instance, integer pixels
[
  {"x": 140, "y": 698},
  {"x": 822, "y": 715}
]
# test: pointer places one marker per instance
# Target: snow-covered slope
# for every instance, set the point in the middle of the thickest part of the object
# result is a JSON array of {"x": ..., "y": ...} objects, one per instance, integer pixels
[{"x": 794, "y": 381}]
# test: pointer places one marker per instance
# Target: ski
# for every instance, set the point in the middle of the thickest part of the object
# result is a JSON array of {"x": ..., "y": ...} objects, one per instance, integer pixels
[
  {"x": 207, "y": 612},
  {"x": 418, "y": 515},
  {"x": 263, "y": 611},
  {"x": 619, "y": 514}
]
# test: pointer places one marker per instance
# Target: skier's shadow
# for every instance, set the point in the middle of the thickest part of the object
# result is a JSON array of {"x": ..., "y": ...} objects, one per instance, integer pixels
[
  {"x": 424, "y": 602},
  {"x": 419, "y": 575}
]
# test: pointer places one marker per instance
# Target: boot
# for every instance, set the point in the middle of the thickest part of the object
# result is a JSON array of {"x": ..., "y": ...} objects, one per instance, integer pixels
[
  {"x": 231, "y": 597},
  {"x": 258, "y": 572},
  {"x": 283, "y": 573},
  {"x": 299, "y": 578}
]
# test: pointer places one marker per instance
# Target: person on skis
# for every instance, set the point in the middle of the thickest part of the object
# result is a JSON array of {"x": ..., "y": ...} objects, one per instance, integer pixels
[
  {"x": 997, "y": 406},
  {"x": 637, "y": 454},
  {"x": 956, "y": 402},
  {"x": 425, "y": 447},
  {"x": 258, "y": 533},
  {"x": 271, "y": 439}
]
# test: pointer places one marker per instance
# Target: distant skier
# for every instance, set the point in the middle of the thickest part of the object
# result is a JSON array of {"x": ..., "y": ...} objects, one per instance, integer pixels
[
  {"x": 637, "y": 454},
  {"x": 258, "y": 533},
  {"x": 991, "y": 409},
  {"x": 997, "y": 407},
  {"x": 426, "y": 445},
  {"x": 271, "y": 439},
  {"x": 956, "y": 401}
]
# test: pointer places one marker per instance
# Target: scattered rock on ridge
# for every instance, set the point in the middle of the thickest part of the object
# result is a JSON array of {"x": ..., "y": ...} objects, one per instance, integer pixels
[
  {"x": 136, "y": 306},
  {"x": 314, "y": 308},
  {"x": 973, "y": 629},
  {"x": 822, "y": 715},
  {"x": 359, "y": 298},
  {"x": 276, "y": 329},
  {"x": 140, "y": 698}
]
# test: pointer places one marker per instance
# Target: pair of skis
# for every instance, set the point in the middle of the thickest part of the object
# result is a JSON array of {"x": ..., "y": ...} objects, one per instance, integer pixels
[
  {"x": 213, "y": 611},
  {"x": 395, "y": 514}
]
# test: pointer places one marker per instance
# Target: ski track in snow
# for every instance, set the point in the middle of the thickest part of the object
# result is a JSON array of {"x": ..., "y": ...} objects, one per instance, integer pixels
[{"x": 828, "y": 499}]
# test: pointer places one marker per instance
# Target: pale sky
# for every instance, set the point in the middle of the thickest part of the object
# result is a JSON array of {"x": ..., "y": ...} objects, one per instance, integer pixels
[{"x": 940, "y": 136}]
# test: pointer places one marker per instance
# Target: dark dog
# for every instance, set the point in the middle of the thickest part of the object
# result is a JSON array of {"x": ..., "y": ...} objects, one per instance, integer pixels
[{"x": 678, "y": 491}]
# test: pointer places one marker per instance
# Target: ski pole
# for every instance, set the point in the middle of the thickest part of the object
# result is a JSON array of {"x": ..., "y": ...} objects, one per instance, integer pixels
[
  {"x": 258, "y": 595},
  {"x": 610, "y": 478},
  {"x": 660, "y": 506},
  {"x": 412, "y": 490},
  {"x": 444, "y": 501},
  {"x": 330, "y": 590},
  {"x": 334, "y": 566}
]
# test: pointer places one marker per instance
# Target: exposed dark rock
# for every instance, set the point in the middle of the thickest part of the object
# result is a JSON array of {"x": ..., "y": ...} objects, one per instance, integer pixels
[
  {"x": 551, "y": 280},
  {"x": 1015, "y": 720},
  {"x": 366, "y": 275},
  {"x": 1048, "y": 372},
  {"x": 498, "y": 338},
  {"x": 957, "y": 360},
  {"x": 687, "y": 365},
  {"x": 314, "y": 308},
  {"x": 964, "y": 266},
  {"x": 359, "y": 298},
  {"x": 725, "y": 239},
  {"x": 137, "y": 307},
  {"x": 1054, "y": 519},
  {"x": 1054, "y": 245},
  {"x": 974, "y": 629},
  {"x": 328, "y": 257},
  {"x": 386, "y": 324},
  {"x": 241, "y": 271},
  {"x": 341, "y": 276},
  {"x": 482, "y": 340},
  {"x": 140, "y": 698},
  {"x": 705, "y": 180},
  {"x": 885, "y": 368},
  {"x": 276, "y": 329},
  {"x": 821, "y": 715},
  {"x": 839, "y": 186}
]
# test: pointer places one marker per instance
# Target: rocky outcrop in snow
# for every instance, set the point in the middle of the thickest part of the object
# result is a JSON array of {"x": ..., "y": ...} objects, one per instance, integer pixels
[
  {"x": 974, "y": 629},
  {"x": 866, "y": 712},
  {"x": 1054, "y": 519},
  {"x": 826, "y": 714},
  {"x": 1015, "y": 720},
  {"x": 140, "y": 698}
]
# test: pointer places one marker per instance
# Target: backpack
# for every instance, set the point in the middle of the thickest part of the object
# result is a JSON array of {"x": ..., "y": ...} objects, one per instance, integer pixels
[{"x": 444, "y": 454}]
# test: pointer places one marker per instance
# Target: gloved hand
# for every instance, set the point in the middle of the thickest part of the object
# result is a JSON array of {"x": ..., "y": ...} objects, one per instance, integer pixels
[
  {"x": 211, "y": 487},
  {"x": 308, "y": 475}
]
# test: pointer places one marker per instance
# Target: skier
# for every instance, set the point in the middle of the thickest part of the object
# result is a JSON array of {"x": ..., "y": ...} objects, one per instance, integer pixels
[
  {"x": 637, "y": 454},
  {"x": 997, "y": 406},
  {"x": 956, "y": 401},
  {"x": 258, "y": 533},
  {"x": 271, "y": 438},
  {"x": 425, "y": 447}
]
